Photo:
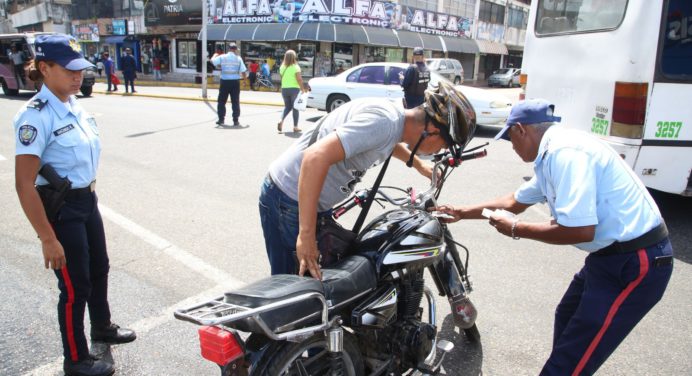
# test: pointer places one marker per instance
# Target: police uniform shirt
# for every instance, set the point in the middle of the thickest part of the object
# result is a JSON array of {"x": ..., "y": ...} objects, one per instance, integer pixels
[
  {"x": 231, "y": 66},
  {"x": 585, "y": 182},
  {"x": 61, "y": 134}
]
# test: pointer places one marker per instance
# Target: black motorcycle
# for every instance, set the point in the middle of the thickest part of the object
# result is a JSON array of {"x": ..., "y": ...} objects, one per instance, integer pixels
[{"x": 365, "y": 316}]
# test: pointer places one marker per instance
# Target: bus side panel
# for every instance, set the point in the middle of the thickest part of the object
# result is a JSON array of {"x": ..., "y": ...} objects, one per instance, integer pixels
[
  {"x": 665, "y": 159},
  {"x": 578, "y": 71}
]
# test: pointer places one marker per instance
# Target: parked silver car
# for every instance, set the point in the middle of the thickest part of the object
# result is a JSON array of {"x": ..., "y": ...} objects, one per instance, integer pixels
[
  {"x": 450, "y": 69},
  {"x": 507, "y": 77}
]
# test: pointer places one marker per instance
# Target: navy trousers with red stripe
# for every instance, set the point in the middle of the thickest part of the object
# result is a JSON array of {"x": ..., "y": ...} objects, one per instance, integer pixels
[
  {"x": 85, "y": 279},
  {"x": 604, "y": 302}
]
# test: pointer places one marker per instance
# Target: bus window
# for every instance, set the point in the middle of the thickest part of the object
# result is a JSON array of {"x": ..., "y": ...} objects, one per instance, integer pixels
[
  {"x": 570, "y": 16},
  {"x": 676, "y": 54}
]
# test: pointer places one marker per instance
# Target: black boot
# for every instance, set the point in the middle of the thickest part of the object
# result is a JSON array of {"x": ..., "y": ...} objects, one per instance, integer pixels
[
  {"x": 88, "y": 367},
  {"x": 112, "y": 334}
]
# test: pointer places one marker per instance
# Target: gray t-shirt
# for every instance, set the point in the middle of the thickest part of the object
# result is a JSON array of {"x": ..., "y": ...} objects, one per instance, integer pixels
[{"x": 368, "y": 130}]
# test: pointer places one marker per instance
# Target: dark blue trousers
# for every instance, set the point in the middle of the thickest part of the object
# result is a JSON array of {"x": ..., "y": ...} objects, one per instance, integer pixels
[
  {"x": 84, "y": 281},
  {"x": 604, "y": 302},
  {"x": 228, "y": 88}
]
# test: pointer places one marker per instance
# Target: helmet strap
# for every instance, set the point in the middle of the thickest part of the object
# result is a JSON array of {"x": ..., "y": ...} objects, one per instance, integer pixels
[{"x": 423, "y": 135}]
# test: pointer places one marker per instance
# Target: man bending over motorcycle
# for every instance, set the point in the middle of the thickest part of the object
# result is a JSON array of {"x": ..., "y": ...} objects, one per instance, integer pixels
[
  {"x": 307, "y": 180},
  {"x": 599, "y": 205}
]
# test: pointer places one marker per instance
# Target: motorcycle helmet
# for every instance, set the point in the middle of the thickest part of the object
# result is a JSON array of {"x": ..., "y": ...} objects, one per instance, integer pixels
[{"x": 451, "y": 112}]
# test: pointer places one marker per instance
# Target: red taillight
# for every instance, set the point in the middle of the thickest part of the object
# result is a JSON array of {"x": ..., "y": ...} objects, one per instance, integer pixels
[
  {"x": 218, "y": 345},
  {"x": 629, "y": 109}
]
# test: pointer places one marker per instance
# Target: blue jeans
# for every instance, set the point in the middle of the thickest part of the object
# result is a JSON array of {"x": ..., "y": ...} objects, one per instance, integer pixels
[{"x": 280, "y": 224}]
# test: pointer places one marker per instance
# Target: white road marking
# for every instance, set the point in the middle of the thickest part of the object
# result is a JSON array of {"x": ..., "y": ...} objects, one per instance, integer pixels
[
  {"x": 189, "y": 260},
  {"x": 140, "y": 327},
  {"x": 223, "y": 280}
]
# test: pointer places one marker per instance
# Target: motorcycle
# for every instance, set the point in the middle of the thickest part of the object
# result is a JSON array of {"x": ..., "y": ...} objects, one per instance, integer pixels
[{"x": 365, "y": 316}]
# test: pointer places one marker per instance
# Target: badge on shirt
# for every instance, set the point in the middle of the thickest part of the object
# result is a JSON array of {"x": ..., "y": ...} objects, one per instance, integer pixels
[
  {"x": 27, "y": 134},
  {"x": 92, "y": 122},
  {"x": 64, "y": 129}
]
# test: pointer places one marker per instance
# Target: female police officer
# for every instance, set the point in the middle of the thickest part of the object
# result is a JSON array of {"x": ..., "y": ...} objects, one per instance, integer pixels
[{"x": 53, "y": 129}]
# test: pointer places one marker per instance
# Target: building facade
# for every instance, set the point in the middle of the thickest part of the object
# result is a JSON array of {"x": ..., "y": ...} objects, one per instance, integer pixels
[{"x": 328, "y": 35}]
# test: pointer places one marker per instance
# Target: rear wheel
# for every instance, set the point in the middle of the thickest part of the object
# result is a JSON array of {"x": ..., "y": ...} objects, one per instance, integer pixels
[
  {"x": 457, "y": 80},
  {"x": 310, "y": 357},
  {"x": 336, "y": 101}
]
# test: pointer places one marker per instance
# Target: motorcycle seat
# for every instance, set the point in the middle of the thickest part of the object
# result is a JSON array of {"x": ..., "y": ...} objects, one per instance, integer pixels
[{"x": 346, "y": 279}]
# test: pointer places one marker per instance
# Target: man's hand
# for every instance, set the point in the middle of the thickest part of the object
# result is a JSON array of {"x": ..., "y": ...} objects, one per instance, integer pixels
[
  {"x": 457, "y": 214},
  {"x": 503, "y": 225},
  {"x": 308, "y": 256},
  {"x": 53, "y": 254}
]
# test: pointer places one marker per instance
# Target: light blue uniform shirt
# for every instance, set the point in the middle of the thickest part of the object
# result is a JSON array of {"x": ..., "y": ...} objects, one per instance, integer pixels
[
  {"x": 231, "y": 66},
  {"x": 62, "y": 134},
  {"x": 585, "y": 182}
]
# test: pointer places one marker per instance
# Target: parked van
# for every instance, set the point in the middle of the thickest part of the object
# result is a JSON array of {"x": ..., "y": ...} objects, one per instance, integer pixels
[
  {"x": 450, "y": 69},
  {"x": 16, "y": 53}
]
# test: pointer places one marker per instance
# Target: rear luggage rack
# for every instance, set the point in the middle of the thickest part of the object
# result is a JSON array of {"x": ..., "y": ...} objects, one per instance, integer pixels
[{"x": 218, "y": 312}]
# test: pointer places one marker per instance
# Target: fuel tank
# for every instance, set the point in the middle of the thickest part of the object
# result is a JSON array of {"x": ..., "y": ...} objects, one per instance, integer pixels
[{"x": 403, "y": 237}]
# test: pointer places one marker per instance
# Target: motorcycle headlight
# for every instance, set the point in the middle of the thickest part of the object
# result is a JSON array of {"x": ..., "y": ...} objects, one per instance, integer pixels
[{"x": 499, "y": 104}]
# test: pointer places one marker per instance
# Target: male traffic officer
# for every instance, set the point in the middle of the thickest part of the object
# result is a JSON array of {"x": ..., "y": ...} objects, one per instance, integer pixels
[
  {"x": 415, "y": 80},
  {"x": 232, "y": 70},
  {"x": 600, "y": 206}
]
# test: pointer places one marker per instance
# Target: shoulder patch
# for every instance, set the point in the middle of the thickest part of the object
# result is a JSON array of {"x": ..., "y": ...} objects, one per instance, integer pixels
[
  {"x": 27, "y": 134},
  {"x": 37, "y": 104}
]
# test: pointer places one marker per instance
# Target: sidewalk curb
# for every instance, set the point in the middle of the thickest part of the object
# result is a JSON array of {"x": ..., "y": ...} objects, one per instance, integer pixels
[{"x": 200, "y": 99}]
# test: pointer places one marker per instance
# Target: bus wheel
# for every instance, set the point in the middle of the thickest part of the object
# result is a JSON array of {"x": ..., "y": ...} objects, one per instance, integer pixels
[{"x": 6, "y": 90}]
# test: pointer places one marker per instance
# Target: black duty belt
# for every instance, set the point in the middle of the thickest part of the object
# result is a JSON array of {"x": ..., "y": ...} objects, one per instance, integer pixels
[
  {"x": 78, "y": 192},
  {"x": 650, "y": 238}
]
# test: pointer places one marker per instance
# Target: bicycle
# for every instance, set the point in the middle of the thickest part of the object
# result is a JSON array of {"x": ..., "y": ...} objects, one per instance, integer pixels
[{"x": 265, "y": 81}]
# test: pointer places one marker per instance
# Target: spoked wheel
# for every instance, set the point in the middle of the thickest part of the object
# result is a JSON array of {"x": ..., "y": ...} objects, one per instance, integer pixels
[{"x": 311, "y": 358}]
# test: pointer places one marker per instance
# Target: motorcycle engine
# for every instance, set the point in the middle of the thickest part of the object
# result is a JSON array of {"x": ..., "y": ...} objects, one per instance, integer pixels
[{"x": 415, "y": 341}]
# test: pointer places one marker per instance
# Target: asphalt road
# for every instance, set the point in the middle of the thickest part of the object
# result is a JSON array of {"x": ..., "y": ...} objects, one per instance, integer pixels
[{"x": 179, "y": 200}]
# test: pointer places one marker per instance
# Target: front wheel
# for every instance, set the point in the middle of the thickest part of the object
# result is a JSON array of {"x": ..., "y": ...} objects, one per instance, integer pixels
[
  {"x": 473, "y": 334},
  {"x": 310, "y": 357}
]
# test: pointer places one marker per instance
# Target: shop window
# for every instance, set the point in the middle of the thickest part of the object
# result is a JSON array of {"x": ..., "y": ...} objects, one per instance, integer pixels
[
  {"x": 343, "y": 57},
  {"x": 306, "y": 58},
  {"x": 187, "y": 54}
]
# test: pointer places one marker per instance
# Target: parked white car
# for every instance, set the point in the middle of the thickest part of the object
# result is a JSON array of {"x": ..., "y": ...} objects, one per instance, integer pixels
[{"x": 381, "y": 80}]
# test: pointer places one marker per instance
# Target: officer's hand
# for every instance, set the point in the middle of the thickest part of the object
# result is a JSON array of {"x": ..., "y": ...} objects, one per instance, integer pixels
[
  {"x": 53, "y": 254},
  {"x": 449, "y": 210},
  {"x": 503, "y": 225},
  {"x": 308, "y": 257}
]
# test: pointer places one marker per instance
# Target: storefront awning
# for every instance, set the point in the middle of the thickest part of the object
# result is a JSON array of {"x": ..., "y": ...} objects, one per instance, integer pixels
[
  {"x": 431, "y": 42},
  {"x": 239, "y": 32},
  {"x": 350, "y": 34},
  {"x": 460, "y": 44},
  {"x": 271, "y": 32},
  {"x": 326, "y": 32},
  {"x": 409, "y": 39},
  {"x": 382, "y": 36},
  {"x": 215, "y": 32},
  {"x": 493, "y": 48}
]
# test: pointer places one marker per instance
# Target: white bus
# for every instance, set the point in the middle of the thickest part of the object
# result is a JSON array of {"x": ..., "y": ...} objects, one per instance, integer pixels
[{"x": 623, "y": 71}]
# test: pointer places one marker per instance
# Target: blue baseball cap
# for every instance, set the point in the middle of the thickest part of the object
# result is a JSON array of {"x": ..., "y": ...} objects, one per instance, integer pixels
[
  {"x": 532, "y": 111},
  {"x": 62, "y": 49}
]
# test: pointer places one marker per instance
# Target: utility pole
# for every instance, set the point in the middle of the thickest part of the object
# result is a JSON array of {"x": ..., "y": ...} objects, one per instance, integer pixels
[{"x": 205, "y": 16}]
